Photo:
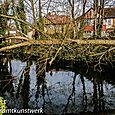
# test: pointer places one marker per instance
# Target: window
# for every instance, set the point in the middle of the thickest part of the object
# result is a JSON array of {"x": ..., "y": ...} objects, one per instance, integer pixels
[
  {"x": 104, "y": 22},
  {"x": 87, "y": 22},
  {"x": 51, "y": 26},
  {"x": 109, "y": 21}
]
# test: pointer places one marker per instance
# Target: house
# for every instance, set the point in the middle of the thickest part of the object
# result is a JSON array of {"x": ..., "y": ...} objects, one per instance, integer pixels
[
  {"x": 55, "y": 23},
  {"x": 12, "y": 32},
  {"x": 88, "y": 18},
  {"x": 109, "y": 17}
]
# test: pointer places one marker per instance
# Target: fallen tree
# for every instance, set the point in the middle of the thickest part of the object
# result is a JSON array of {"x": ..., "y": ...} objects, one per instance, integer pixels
[{"x": 55, "y": 42}]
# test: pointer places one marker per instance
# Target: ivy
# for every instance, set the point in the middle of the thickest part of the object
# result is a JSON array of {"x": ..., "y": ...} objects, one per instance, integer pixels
[{"x": 2, "y": 105}]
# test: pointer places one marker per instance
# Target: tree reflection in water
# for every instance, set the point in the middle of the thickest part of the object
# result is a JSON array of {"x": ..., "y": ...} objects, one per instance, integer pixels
[
  {"x": 26, "y": 86},
  {"x": 56, "y": 92},
  {"x": 71, "y": 95},
  {"x": 6, "y": 79}
]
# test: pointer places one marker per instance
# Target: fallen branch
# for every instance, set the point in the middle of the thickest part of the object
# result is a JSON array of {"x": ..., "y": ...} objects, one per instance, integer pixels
[
  {"x": 95, "y": 42},
  {"x": 57, "y": 42},
  {"x": 15, "y": 46},
  {"x": 18, "y": 37},
  {"x": 55, "y": 56}
]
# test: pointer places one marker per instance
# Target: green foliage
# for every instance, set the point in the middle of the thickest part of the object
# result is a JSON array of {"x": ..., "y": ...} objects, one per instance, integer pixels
[
  {"x": 2, "y": 105},
  {"x": 4, "y": 44},
  {"x": 22, "y": 15},
  {"x": 3, "y": 21},
  {"x": 2, "y": 30}
]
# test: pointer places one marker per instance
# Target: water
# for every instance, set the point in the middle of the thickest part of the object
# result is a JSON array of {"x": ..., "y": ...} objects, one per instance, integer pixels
[{"x": 57, "y": 91}]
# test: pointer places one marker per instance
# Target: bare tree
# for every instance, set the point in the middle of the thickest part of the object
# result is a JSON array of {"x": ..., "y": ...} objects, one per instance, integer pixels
[{"x": 98, "y": 17}]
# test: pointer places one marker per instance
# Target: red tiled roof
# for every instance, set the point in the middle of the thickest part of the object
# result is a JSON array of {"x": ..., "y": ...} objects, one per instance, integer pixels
[
  {"x": 88, "y": 28},
  {"x": 58, "y": 19},
  {"x": 109, "y": 12},
  {"x": 91, "y": 28}
]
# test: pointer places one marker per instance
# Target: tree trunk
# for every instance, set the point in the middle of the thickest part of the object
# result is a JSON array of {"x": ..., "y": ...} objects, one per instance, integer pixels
[
  {"x": 22, "y": 15},
  {"x": 72, "y": 3},
  {"x": 98, "y": 17},
  {"x": 33, "y": 12},
  {"x": 95, "y": 17}
]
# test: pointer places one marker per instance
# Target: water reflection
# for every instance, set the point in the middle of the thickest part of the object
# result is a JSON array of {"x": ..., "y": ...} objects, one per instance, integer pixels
[
  {"x": 56, "y": 92},
  {"x": 6, "y": 78}
]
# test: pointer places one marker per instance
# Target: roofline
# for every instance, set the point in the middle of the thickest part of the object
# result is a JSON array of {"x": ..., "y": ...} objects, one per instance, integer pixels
[
  {"x": 93, "y": 9},
  {"x": 84, "y": 13}
]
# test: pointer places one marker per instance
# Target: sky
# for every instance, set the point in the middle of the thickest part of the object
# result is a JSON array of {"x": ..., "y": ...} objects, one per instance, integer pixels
[{"x": 61, "y": 7}]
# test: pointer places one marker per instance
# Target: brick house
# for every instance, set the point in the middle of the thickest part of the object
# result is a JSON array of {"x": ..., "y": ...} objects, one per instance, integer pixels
[
  {"x": 109, "y": 17},
  {"x": 54, "y": 23},
  {"x": 108, "y": 21}
]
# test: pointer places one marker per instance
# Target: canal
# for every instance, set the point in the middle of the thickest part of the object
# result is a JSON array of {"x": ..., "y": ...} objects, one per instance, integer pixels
[{"x": 58, "y": 90}]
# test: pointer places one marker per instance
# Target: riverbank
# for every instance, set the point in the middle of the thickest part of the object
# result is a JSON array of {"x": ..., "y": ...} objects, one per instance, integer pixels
[{"x": 98, "y": 53}]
